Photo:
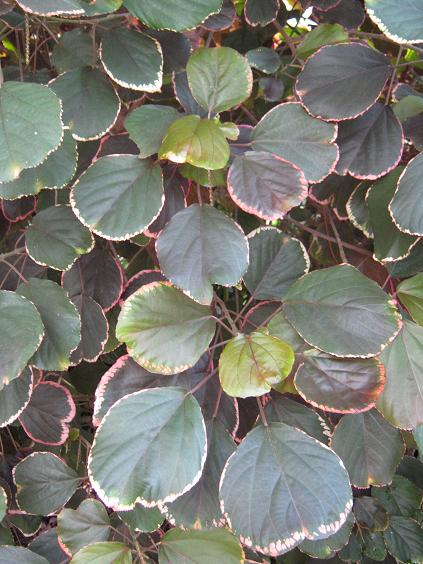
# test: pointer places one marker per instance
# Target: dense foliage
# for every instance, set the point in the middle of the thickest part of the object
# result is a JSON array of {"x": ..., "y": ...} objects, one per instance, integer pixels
[{"x": 211, "y": 281}]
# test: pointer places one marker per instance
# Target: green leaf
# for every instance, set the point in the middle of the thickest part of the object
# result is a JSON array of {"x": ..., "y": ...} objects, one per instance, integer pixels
[
  {"x": 276, "y": 261},
  {"x": 326, "y": 548},
  {"x": 408, "y": 107},
  {"x": 251, "y": 364},
  {"x": 119, "y": 196},
  {"x": 147, "y": 125},
  {"x": 266, "y": 185},
  {"x": 405, "y": 207},
  {"x": 342, "y": 81},
  {"x": 14, "y": 397},
  {"x": 279, "y": 327},
  {"x": 100, "y": 7},
  {"x": 28, "y": 525},
  {"x": 47, "y": 545},
  {"x": 401, "y": 497},
  {"x": 3, "y": 503},
  {"x": 199, "y": 507},
  {"x": 389, "y": 242},
  {"x": 219, "y": 78},
  {"x": 358, "y": 210},
  {"x": 142, "y": 519},
  {"x": 323, "y": 34},
  {"x": 61, "y": 322},
  {"x": 56, "y": 238},
  {"x": 103, "y": 553},
  {"x": 358, "y": 317},
  {"x": 410, "y": 292},
  {"x": 10, "y": 554},
  {"x": 158, "y": 314},
  {"x": 261, "y": 13},
  {"x": 370, "y": 513},
  {"x": 90, "y": 103},
  {"x": 401, "y": 401},
  {"x": 284, "y": 410},
  {"x": 87, "y": 524},
  {"x": 21, "y": 333},
  {"x": 200, "y": 547},
  {"x": 369, "y": 447},
  {"x": 199, "y": 142},
  {"x": 52, "y": 7},
  {"x": 264, "y": 59},
  {"x": 404, "y": 539},
  {"x": 54, "y": 173},
  {"x": 158, "y": 460},
  {"x": 274, "y": 498},
  {"x": 145, "y": 71},
  {"x": 30, "y": 127},
  {"x": 44, "y": 483},
  {"x": 218, "y": 251},
  {"x": 292, "y": 134},
  {"x": 340, "y": 385},
  {"x": 94, "y": 330},
  {"x": 73, "y": 50},
  {"x": 176, "y": 15},
  {"x": 400, "y": 22}
]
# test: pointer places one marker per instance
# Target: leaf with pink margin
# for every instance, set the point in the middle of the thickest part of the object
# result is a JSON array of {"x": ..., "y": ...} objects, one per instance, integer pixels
[
  {"x": 15, "y": 396},
  {"x": 261, "y": 13},
  {"x": 47, "y": 416}
]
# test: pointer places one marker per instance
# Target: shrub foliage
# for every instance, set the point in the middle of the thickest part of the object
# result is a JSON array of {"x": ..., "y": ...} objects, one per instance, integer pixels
[{"x": 211, "y": 281}]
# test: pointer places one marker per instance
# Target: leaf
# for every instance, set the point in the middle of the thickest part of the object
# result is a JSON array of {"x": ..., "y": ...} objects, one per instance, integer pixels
[
  {"x": 389, "y": 242},
  {"x": 323, "y": 34},
  {"x": 28, "y": 525},
  {"x": 342, "y": 81},
  {"x": 405, "y": 207},
  {"x": 223, "y": 19},
  {"x": 118, "y": 196},
  {"x": 147, "y": 126},
  {"x": 290, "y": 133},
  {"x": 284, "y": 410},
  {"x": 90, "y": 103},
  {"x": 358, "y": 210},
  {"x": 200, "y": 547},
  {"x": 369, "y": 447},
  {"x": 61, "y": 322},
  {"x": 145, "y": 71},
  {"x": 264, "y": 59},
  {"x": 400, "y": 22},
  {"x": 401, "y": 497},
  {"x": 176, "y": 49},
  {"x": 266, "y": 185},
  {"x": 358, "y": 317},
  {"x": 292, "y": 500},
  {"x": 174, "y": 201},
  {"x": 21, "y": 333},
  {"x": 97, "y": 275},
  {"x": 87, "y": 524},
  {"x": 261, "y": 13},
  {"x": 404, "y": 539},
  {"x": 279, "y": 327},
  {"x": 370, "y": 145},
  {"x": 340, "y": 385},
  {"x": 276, "y": 261},
  {"x": 217, "y": 251},
  {"x": 348, "y": 13},
  {"x": 142, "y": 519},
  {"x": 326, "y": 548},
  {"x": 56, "y": 238},
  {"x": 14, "y": 397},
  {"x": 177, "y": 15},
  {"x": 47, "y": 545},
  {"x": 51, "y": 7},
  {"x": 370, "y": 513},
  {"x": 104, "y": 553},
  {"x": 251, "y": 364},
  {"x": 401, "y": 401},
  {"x": 94, "y": 330},
  {"x": 172, "y": 430},
  {"x": 219, "y": 78},
  {"x": 53, "y": 173},
  {"x": 184, "y": 96},
  {"x": 158, "y": 314},
  {"x": 9, "y": 554},
  {"x": 73, "y": 50},
  {"x": 30, "y": 127},
  {"x": 47, "y": 416},
  {"x": 44, "y": 483},
  {"x": 199, "y": 142}
]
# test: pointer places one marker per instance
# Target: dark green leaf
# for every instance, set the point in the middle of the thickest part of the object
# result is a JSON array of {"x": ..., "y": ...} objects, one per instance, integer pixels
[
  {"x": 147, "y": 126},
  {"x": 404, "y": 539},
  {"x": 87, "y": 524},
  {"x": 400, "y": 22},
  {"x": 14, "y": 397},
  {"x": 405, "y": 207}
]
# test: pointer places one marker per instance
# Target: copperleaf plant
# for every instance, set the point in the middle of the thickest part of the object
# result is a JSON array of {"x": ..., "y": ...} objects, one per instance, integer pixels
[{"x": 211, "y": 281}]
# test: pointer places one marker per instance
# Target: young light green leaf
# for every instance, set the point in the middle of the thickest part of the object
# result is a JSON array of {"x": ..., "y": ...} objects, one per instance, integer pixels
[
  {"x": 251, "y": 364},
  {"x": 219, "y": 78},
  {"x": 103, "y": 553},
  {"x": 218, "y": 251},
  {"x": 158, "y": 314},
  {"x": 323, "y": 34},
  {"x": 141, "y": 468}
]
